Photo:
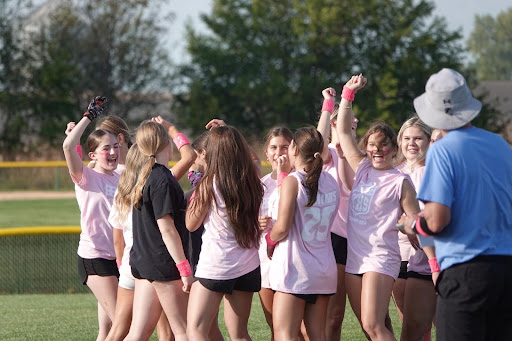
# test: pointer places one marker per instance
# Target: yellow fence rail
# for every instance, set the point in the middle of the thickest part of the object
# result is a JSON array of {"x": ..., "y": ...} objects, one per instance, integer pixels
[{"x": 23, "y": 231}]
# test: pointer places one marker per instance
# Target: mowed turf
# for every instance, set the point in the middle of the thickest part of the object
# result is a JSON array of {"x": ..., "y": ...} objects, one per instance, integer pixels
[
  {"x": 49, "y": 212},
  {"x": 74, "y": 317}
]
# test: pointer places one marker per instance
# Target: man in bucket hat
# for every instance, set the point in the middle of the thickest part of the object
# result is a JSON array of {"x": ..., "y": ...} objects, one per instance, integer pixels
[{"x": 467, "y": 191}]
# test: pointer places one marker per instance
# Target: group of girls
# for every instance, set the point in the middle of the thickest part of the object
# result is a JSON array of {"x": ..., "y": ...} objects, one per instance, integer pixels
[{"x": 322, "y": 225}]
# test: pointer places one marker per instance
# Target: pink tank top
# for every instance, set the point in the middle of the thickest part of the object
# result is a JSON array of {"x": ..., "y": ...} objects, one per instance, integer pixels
[
  {"x": 373, "y": 213},
  {"x": 418, "y": 260},
  {"x": 303, "y": 262},
  {"x": 270, "y": 187},
  {"x": 221, "y": 257},
  {"x": 339, "y": 225}
]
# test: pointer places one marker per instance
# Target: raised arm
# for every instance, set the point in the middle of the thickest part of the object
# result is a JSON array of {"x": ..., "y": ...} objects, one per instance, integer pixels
[
  {"x": 73, "y": 160},
  {"x": 345, "y": 172},
  {"x": 188, "y": 155},
  {"x": 344, "y": 122},
  {"x": 324, "y": 122}
]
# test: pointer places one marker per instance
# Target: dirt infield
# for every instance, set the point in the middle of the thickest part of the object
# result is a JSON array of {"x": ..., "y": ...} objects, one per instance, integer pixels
[{"x": 34, "y": 195}]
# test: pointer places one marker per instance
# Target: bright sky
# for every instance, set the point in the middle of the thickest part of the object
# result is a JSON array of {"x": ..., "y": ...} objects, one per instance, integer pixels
[{"x": 458, "y": 13}]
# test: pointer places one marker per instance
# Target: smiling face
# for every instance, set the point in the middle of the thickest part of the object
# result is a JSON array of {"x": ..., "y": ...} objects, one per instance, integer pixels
[
  {"x": 106, "y": 154},
  {"x": 380, "y": 150},
  {"x": 414, "y": 144},
  {"x": 277, "y": 146}
]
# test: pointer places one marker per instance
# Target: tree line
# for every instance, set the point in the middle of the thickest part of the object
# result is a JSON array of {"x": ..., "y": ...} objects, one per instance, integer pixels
[{"x": 259, "y": 63}]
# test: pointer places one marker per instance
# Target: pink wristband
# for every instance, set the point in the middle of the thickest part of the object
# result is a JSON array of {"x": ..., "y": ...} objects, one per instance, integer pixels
[
  {"x": 270, "y": 242},
  {"x": 118, "y": 262},
  {"x": 79, "y": 150},
  {"x": 180, "y": 140},
  {"x": 184, "y": 268},
  {"x": 348, "y": 94},
  {"x": 280, "y": 178},
  {"x": 418, "y": 226},
  {"x": 192, "y": 196},
  {"x": 434, "y": 265},
  {"x": 328, "y": 105}
]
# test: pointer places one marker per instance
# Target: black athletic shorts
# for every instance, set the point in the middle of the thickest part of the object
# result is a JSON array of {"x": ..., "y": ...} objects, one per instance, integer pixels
[
  {"x": 96, "y": 266},
  {"x": 249, "y": 282},
  {"x": 339, "y": 246},
  {"x": 403, "y": 269},
  {"x": 414, "y": 274}
]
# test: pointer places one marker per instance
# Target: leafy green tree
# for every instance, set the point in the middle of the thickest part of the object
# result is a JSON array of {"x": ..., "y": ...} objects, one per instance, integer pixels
[
  {"x": 264, "y": 62},
  {"x": 79, "y": 49},
  {"x": 491, "y": 43}
]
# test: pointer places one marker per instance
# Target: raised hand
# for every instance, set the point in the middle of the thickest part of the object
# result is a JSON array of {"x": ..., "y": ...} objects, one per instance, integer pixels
[
  {"x": 69, "y": 127},
  {"x": 159, "y": 119},
  {"x": 283, "y": 164},
  {"x": 96, "y": 107},
  {"x": 329, "y": 93},
  {"x": 215, "y": 123},
  {"x": 356, "y": 83}
]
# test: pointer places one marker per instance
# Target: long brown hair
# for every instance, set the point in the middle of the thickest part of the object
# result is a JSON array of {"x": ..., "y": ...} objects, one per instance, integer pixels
[
  {"x": 230, "y": 166},
  {"x": 151, "y": 138},
  {"x": 134, "y": 162},
  {"x": 309, "y": 143}
]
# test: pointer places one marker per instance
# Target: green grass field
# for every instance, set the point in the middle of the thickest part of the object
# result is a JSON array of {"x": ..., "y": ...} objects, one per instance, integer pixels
[
  {"x": 74, "y": 317},
  {"x": 48, "y": 265},
  {"x": 54, "y": 212}
]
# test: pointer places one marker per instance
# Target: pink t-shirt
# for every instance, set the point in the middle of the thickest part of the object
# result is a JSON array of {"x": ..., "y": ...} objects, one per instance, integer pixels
[
  {"x": 418, "y": 260},
  {"x": 373, "y": 213},
  {"x": 221, "y": 257},
  {"x": 303, "y": 262},
  {"x": 126, "y": 226},
  {"x": 339, "y": 225},
  {"x": 95, "y": 194},
  {"x": 270, "y": 186}
]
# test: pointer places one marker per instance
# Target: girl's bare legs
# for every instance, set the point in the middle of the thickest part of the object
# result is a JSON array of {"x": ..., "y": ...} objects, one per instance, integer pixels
[
  {"x": 237, "y": 308},
  {"x": 146, "y": 311},
  {"x": 375, "y": 296},
  {"x": 105, "y": 290},
  {"x": 215, "y": 334},
  {"x": 419, "y": 309},
  {"x": 315, "y": 316},
  {"x": 163, "y": 329},
  {"x": 336, "y": 308},
  {"x": 174, "y": 302},
  {"x": 104, "y": 323},
  {"x": 287, "y": 314},
  {"x": 123, "y": 315},
  {"x": 354, "y": 284},
  {"x": 203, "y": 308},
  {"x": 266, "y": 299},
  {"x": 398, "y": 296}
]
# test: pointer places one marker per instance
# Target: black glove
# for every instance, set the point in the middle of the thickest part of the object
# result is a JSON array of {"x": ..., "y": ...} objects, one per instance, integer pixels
[{"x": 96, "y": 107}]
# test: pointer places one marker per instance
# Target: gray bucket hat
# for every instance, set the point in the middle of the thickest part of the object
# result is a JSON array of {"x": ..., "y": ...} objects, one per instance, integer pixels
[{"x": 447, "y": 102}]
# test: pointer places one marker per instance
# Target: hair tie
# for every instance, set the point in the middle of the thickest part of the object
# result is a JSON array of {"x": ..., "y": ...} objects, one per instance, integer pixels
[
  {"x": 152, "y": 155},
  {"x": 316, "y": 155}
]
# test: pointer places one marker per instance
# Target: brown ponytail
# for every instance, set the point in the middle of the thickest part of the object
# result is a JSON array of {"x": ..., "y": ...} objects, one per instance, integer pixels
[{"x": 309, "y": 143}]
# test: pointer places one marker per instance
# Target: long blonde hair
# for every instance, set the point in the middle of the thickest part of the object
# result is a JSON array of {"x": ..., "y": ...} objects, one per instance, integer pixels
[
  {"x": 151, "y": 138},
  {"x": 134, "y": 162},
  {"x": 414, "y": 121}
]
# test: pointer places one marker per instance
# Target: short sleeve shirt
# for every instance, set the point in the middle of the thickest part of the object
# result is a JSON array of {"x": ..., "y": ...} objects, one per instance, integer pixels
[{"x": 162, "y": 195}]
